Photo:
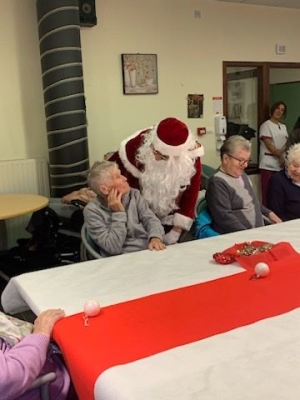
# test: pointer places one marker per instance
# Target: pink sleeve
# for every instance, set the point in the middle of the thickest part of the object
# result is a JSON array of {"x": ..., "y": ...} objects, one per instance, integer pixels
[{"x": 21, "y": 364}]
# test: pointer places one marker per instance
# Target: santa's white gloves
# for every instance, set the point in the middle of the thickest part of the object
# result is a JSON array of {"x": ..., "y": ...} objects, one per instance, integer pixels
[{"x": 171, "y": 237}]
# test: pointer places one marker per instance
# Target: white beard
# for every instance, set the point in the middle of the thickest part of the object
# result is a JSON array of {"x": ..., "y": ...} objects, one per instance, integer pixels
[{"x": 163, "y": 181}]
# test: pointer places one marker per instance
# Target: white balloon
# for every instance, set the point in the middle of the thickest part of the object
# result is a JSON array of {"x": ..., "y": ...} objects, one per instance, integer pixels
[
  {"x": 262, "y": 269},
  {"x": 91, "y": 308}
]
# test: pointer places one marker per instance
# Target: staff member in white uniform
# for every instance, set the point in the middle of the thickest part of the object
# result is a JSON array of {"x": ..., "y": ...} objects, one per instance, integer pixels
[{"x": 273, "y": 136}]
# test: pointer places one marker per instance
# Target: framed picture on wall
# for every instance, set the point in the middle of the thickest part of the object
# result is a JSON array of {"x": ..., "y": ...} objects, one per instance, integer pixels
[
  {"x": 195, "y": 105},
  {"x": 139, "y": 73}
]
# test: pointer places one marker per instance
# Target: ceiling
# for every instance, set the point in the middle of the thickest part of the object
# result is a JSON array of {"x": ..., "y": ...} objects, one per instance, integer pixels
[{"x": 271, "y": 3}]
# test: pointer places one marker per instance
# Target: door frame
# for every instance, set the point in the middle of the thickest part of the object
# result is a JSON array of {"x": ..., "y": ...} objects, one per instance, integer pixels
[{"x": 263, "y": 90}]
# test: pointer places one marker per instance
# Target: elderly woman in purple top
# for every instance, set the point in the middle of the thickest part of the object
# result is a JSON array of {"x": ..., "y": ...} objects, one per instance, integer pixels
[
  {"x": 284, "y": 187},
  {"x": 25, "y": 355}
]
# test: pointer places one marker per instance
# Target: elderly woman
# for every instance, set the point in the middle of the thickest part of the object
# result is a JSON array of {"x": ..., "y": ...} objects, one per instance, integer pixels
[
  {"x": 119, "y": 220},
  {"x": 25, "y": 355},
  {"x": 284, "y": 187},
  {"x": 230, "y": 197}
]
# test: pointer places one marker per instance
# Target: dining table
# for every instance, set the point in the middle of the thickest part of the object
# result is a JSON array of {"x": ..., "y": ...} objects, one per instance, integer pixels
[
  {"x": 14, "y": 205},
  {"x": 175, "y": 324}
]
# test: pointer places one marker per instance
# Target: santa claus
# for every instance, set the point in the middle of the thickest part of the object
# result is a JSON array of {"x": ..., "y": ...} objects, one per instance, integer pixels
[{"x": 163, "y": 161}]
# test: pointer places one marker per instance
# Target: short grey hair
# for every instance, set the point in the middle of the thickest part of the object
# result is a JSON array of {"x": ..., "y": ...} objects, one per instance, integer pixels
[
  {"x": 233, "y": 143},
  {"x": 99, "y": 174},
  {"x": 293, "y": 154}
]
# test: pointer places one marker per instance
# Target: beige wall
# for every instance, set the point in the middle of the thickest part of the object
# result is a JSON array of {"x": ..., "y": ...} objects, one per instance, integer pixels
[
  {"x": 190, "y": 54},
  {"x": 23, "y": 132}
]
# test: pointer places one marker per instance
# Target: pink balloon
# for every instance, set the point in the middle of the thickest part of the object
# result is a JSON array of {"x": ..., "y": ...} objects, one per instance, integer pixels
[{"x": 91, "y": 308}]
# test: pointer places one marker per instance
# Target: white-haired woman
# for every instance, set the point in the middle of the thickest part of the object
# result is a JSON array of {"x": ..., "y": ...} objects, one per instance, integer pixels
[{"x": 284, "y": 187}]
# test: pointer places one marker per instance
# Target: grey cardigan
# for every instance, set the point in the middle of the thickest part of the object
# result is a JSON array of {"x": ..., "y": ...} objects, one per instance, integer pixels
[{"x": 122, "y": 231}]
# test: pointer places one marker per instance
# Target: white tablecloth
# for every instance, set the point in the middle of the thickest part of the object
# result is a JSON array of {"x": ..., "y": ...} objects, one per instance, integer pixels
[
  {"x": 129, "y": 276},
  {"x": 259, "y": 361}
]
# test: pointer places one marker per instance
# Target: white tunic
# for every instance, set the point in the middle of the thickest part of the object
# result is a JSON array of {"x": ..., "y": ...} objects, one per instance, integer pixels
[{"x": 278, "y": 133}]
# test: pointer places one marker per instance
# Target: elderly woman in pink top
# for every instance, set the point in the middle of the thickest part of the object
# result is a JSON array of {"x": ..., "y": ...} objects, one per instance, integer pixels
[{"x": 25, "y": 355}]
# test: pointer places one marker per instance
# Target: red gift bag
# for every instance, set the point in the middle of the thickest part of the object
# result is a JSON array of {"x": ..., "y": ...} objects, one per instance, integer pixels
[{"x": 248, "y": 254}]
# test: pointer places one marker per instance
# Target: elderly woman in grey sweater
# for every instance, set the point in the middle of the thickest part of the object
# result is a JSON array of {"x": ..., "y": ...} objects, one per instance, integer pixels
[{"x": 119, "y": 220}]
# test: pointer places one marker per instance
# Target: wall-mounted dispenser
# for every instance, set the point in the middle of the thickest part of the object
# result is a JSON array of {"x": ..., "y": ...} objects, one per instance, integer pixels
[{"x": 220, "y": 130}]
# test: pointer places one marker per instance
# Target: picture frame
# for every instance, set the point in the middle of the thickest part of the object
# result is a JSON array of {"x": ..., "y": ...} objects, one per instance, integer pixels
[
  {"x": 195, "y": 105},
  {"x": 139, "y": 73}
]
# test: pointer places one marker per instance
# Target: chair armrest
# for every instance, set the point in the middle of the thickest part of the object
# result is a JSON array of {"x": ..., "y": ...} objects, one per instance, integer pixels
[
  {"x": 42, "y": 380},
  {"x": 78, "y": 203},
  {"x": 87, "y": 247}
]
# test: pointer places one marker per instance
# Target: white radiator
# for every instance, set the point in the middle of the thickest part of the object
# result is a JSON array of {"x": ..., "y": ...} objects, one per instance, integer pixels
[{"x": 23, "y": 176}]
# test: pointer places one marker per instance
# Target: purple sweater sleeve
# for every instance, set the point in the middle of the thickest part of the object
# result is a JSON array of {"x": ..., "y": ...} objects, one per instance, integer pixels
[{"x": 21, "y": 364}]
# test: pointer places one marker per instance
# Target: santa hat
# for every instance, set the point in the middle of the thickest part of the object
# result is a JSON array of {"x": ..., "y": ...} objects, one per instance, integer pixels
[{"x": 171, "y": 137}]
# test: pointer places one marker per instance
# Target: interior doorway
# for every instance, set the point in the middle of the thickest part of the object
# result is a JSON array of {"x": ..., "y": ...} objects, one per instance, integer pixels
[{"x": 249, "y": 88}]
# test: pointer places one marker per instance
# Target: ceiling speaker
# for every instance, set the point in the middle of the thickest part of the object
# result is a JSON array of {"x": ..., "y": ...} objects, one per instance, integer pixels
[{"x": 87, "y": 13}]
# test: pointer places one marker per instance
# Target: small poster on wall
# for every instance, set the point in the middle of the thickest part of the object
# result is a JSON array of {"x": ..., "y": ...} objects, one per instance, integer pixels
[
  {"x": 195, "y": 105},
  {"x": 217, "y": 103},
  {"x": 236, "y": 100}
]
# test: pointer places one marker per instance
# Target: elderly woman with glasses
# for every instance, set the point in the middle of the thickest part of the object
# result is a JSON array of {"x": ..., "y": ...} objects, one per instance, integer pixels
[
  {"x": 230, "y": 197},
  {"x": 284, "y": 187}
]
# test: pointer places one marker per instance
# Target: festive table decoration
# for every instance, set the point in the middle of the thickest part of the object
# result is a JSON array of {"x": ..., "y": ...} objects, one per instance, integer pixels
[
  {"x": 231, "y": 254},
  {"x": 249, "y": 254},
  {"x": 261, "y": 270},
  {"x": 223, "y": 258},
  {"x": 91, "y": 308}
]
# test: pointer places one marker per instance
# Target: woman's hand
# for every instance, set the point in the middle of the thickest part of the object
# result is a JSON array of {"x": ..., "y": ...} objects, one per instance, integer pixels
[
  {"x": 278, "y": 152},
  {"x": 274, "y": 218},
  {"x": 114, "y": 201},
  {"x": 45, "y": 321},
  {"x": 156, "y": 244},
  {"x": 272, "y": 149}
]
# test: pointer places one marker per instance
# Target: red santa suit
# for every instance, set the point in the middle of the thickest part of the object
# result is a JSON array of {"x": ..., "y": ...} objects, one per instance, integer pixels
[{"x": 170, "y": 138}]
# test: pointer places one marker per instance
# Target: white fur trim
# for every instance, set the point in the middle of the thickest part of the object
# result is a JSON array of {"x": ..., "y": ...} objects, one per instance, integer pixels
[
  {"x": 123, "y": 155},
  {"x": 182, "y": 221},
  {"x": 198, "y": 152}
]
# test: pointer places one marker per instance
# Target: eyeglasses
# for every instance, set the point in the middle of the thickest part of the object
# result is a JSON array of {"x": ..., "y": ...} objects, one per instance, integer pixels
[
  {"x": 157, "y": 153},
  {"x": 241, "y": 162}
]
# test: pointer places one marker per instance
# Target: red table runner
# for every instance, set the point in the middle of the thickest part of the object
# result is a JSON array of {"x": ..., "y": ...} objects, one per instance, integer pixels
[{"x": 133, "y": 330}]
